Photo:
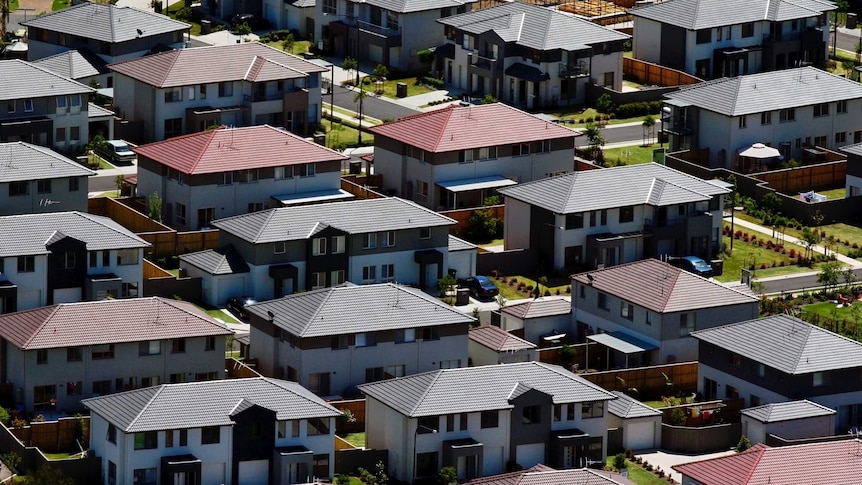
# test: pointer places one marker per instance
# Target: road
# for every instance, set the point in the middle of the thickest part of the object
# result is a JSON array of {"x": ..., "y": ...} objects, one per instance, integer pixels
[
  {"x": 847, "y": 39},
  {"x": 371, "y": 106},
  {"x": 798, "y": 283},
  {"x": 620, "y": 134}
]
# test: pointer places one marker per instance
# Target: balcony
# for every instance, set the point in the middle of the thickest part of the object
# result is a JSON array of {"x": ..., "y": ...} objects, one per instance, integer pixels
[
  {"x": 570, "y": 71},
  {"x": 387, "y": 32},
  {"x": 692, "y": 225}
]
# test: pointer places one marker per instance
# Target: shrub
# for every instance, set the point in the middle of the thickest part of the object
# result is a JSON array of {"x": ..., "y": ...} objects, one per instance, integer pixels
[
  {"x": 619, "y": 461},
  {"x": 792, "y": 253},
  {"x": 431, "y": 82},
  {"x": 743, "y": 444},
  {"x": 568, "y": 290},
  {"x": 425, "y": 56},
  {"x": 762, "y": 265},
  {"x": 4, "y": 417}
]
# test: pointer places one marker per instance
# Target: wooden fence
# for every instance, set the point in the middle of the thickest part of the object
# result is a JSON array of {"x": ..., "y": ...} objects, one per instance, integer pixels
[
  {"x": 356, "y": 407},
  {"x": 54, "y": 436},
  {"x": 359, "y": 190},
  {"x": 793, "y": 181},
  {"x": 462, "y": 216},
  {"x": 152, "y": 270},
  {"x": 239, "y": 370},
  {"x": 172, "y": 243},
  {"x": 124, "y": 214},
  {"x": 649, "y": 381},
  {"x": 648, "y": 73}
]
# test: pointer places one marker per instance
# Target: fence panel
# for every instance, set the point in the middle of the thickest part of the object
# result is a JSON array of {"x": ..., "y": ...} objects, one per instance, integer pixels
[{"x": 649, "y": 381}]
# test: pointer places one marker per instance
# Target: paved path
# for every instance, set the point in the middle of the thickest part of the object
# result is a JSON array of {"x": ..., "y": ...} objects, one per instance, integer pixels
[{"x": 667, "y": 459}]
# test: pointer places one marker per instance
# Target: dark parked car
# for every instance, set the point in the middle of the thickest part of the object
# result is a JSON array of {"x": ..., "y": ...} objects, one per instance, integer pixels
[
  {"x": 238, "y": 304},
  {"x": 692, "y": 264},
  {"x": 255, "y": 23},
  {"x": 479, "y": 286}
]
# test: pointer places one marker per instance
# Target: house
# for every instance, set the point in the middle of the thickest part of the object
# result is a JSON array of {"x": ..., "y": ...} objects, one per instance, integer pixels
[
  {"x": 546, "y": 474},
  {"x": 113, "y": 33},
  {"x": 543, "y": 321},
  {"x": 178, "y": 92},
  {"x": 644, "y": 312},
  {"x": 640, "y": 424},
  {"x": 63, "y": 257},
  {"x": 232, "y": 432},
  {"x": 457, "y": 156},
  {"x": 37, "y": 179},
  {"x": 598, "y": 218},
  {"x": 791, "y": 420},
  {"x": 462, "y": 257},
  {"x": 853, "y": 178},
  {"x": 787, "y": 465},
  {"x": 729, "y": 115},
  {"x": 80, "y": 65},
  {"x": 225, "y": 172},
  {"x": 782, "y": 358},
  {"x": 491, "y": 345},
  {"x": 333, "y": 339},
  {"x": 383, "y": 32},
  {"x": 529, "y": 56},
  {"x": 716, "y": 38},
  {"x": 479, "y": 419},
  {"x": 57, "y": 355},
  {"x": 48, "y": 110},
  {"x": 280, "y": 251},
  {"x": 294, "y": 15}
]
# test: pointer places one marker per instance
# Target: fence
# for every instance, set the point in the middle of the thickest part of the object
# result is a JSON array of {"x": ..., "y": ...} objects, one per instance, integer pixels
[
  {"x": 513, "y": 261},
  {"x": 350, "y": 460},
  {"x": 53, "y": 436},
  {"x": 238, "y": 370},
  {"x": 649, "y": 381},
  {"x": 648, "y": 73},
  {"x": 360, "y": 191},
  {"x": 793, "y": 181},
  {"x": 124, "y": 214},
  {"x": 774, "y": 440},
  {"x": 705, "y": 439},
  {"x": 618, "y": 97},
  {"x": 462, "y": 216},
  {"x": 187, "y": 289},
  {"x": 356, "y": 407},
  {"x": 82, "y": 470}
]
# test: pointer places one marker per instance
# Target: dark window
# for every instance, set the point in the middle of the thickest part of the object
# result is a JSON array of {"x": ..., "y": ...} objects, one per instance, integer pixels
[
  {"x": 225, "y": 89},
  {"x": 26, "y": 264},
  {"x": 424, "y": 232},
  {"x": 490, "y": 419},
  {"x": 704, "y": 36},
  {"x": 184, "y": 437},
  {"x": 42, "y": 356},
  {"x": 178, "y": 345},
  {"x": 428, "y": 424},
  {"x": 450, "y": 422},
  {"x": 532, "y": 415},
  {"x": 68, "y": 260},
  {"x": 735, "y": 360},
  {"x": 427, "y": 464},
  {"x": 43, "y": 186},
  {"x": 112, "y": 433},
  {"x": 627, "y": 214},
  {"x": 821, "y": 109},
  {"x": 317, "y": 426},
  {"x": 788, "y": 114},
  {"x": 103, "y": 352},
  {"x": 339, "y": 342},
  {"x": 595, "y": 409},
  {"x": 431, "y": 333},
  {"x": 320, "y": 465},
  {"x": 627, "y": 310},
  {"x": 101, "y": 388},
  {"x": 149, "y": 347},
  {"x": 147, "y": 440},
  {"x": 210, "y": 344},
  {"x": 169, "y": 438},
  {"x": 74, "y": 388},
  {"x": 748, "y": 29},
  {"x": 18, "y": 188},
  {"x": 210, "y": 435},
  {"x": 74, "y": 354},
  {"x": 574, "y": 221},
  {"x": 603, "y": 301},
  {"x": 112, "y": 473},
  {"x": 463, "y": 421}
]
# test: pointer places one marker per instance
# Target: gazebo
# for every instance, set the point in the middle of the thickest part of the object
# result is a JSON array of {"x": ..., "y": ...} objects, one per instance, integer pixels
[{"x": 753, "y": 158}]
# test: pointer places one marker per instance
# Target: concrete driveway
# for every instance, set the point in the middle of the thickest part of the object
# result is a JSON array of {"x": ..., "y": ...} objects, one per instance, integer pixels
[{"x": 667, "y": 459}]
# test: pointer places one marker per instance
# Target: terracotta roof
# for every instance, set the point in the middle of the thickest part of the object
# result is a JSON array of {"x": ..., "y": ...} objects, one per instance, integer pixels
[
  {"x": 106, "y": 322},
  {"x": 662, "y": 288},
  {"x": 249, "y": 61},
  {"x": 828, "y": 462},
  {"x": 227, "y": 149},
  {"x": 543, "y": 475},
  {"x": 497, "y": 339},
  {"x": 539, "y": 307},
  {"x": 463, "y": 127}
]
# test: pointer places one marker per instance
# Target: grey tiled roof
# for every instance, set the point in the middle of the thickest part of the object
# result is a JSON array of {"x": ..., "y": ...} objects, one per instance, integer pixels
[
  {"x": 27, "y": 234},
  {"x": 40, "y": 82},
  {"x": 107, "y": 322},
  {"x": 627, "y": 407},
  {"x": 405, "y": 6},
  {"x": 483, "y": 388},
  {"x": 855, "y": 149},
  {"x": 458, "y": 244},
  {"x": 539, "y": 307},
  {"x": 225, "y": 260},
  {"x": 787, "y": 411},
  {"x": 704, "y": 14},
  {"x": 786, "y": 343},
  {"x": 534, "y": 27},
  {"x": 106, "y": 22},
  {"x": 353, "y": 217},
  {"x": 352, "y": 308},
  {"x": 662, "y": 288},
  {"x": 607, "y": 188},
  {"x": 768, "y": 91},
  {"x": 498, "y": 340},
  {"x": 23, "y": 161},
  {"x": 209, "y": 403},
  {"x": 74, "y": 64}
]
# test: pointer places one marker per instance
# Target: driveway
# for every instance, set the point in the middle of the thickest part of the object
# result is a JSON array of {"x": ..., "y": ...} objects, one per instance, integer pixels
[{"x": 667, "y": 459}]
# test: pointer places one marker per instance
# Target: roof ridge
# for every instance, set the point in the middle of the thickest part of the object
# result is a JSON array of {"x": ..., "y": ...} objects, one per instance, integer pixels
[
  {"x": 329, "y": 292},
  {"x": 48, "y": 71},
  {"x": 183, "y": 307},
  {"x": 760, "y": 452},
  {"x": 437, "y": 375},
  {"x": 42, "y": 325},
  {"x": 91, "y": 217},
  {"x": 212, "y": 136},
  {"x": 448, "y": 114},
  {"x": 147, "y": 405}
]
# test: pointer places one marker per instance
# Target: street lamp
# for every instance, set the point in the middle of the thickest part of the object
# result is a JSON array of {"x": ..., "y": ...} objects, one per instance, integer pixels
[{"x": 415, "y": 436}]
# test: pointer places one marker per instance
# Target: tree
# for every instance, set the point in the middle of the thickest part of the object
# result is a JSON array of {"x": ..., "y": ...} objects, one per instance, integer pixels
[
  {"x": 849, "y": 278},
  {"x": 619, "y": 461},
  {"x": 12, "y": 460},
  {"x": 595, "y": 139},
  {"x": 489, "y": 99},
  {"x": 287, "y": 43},
  {"x": 425, "y": 56},
  {"x": 649, "y": 127},
  {"x": 542, "y": 281},
  {"x": 79, "y": 432},
  {"x": 743, "y": 444},
  {"x": 155, "y": 207},
  {"x": 49, "y": 475},
  {"x": 243, "y": 30},
  {"x": 828, "y": 275},
  {"x": 350, "y": 64},
  {"x": 483, "y": 226},
  {"x": 817, "y": 217},
  {"x": 380, "y": 72},
  {"x": 120, "y": 181},
  {"x": 770, "y": 203},
  {"x": 448, "y": 474},
  {"x": 445, "y": 284},
  {"x": 809, "y": 239},
  {"x": 604, "y": 104}
]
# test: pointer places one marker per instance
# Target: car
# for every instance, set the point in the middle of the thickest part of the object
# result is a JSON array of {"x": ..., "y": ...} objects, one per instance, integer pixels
[
  {"x": 255, "y": 23},
  {"x": 238, "y": 304},
  {"x": 692, "y": 264},
  {"x": 479, "y": 286},
  {"x": 118, "y": 151}
]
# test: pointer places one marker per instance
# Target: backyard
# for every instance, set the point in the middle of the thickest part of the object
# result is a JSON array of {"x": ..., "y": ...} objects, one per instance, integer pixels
[
  {"x": 631, "y": 155},
  {"x": 848, "y": 237},
  {"x": 638, "y": 474}
]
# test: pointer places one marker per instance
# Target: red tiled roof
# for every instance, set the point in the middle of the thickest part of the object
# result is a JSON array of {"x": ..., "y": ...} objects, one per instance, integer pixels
[
  {"x": 539, "y": 307},
  {"x": 106, "y": 322},
  {"x": 227, "y": 149},
  {"x": 495, "y": 338},
  {"x": 463, "y": 127},
  {"x": 828, "y": 462}
]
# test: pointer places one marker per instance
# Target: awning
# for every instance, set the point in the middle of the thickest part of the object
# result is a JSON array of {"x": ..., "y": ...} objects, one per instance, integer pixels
[
  {"x": 445, "y": 50},
  {"x": 528, "y": 73},
  {"x": 463, "y": 443},
  {"x": 464, "y": 185},
  {"x": 181, "y": 459},
  {"x": 615, "y": 237},
  {"x": 622, "y": 342},
  {"x": 679, "y": 103},
  {"x": 551, "y": 338},
  {"x": 759, "y": 150},
  {"x": 209, "y": 110},
  {"x": 310, "y": 197}
]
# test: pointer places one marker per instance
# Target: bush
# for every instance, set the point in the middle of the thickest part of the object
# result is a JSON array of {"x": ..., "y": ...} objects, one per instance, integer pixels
[
  {"x": 4, "y": 417},
  {"x": 619, "y": 461},
  {"x": 638, "y": 109},
  {"x": 425, "y": 56},
  {"x": 431, "y": 82},
  {"x": 743, "y": 444}
]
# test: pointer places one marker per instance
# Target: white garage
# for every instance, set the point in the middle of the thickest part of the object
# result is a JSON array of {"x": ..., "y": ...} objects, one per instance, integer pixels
[
  {"x": 640, "y": 423},
  {"x": 530, "y": 455},
  {"x": 493, "y": 460},
  {"x": 254, "y": 472}
]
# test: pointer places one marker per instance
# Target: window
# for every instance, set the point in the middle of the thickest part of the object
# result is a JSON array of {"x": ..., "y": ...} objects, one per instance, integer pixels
[
  {"x": 61, "y": 103},
  {"x": 129, "y": 290},
  {"x": 387, "y": 239},
  {"x": 10, "y": 106},
  {"x": 369, "y": 273},
  {"x": 149, "y": 347},
  {"x": 317, "y": 426},
  {"x": 177, "y": 378},
  {"x": 594, "y": 409},
  {"x": 338, "y": 243},
  {"x": 74, "y": 388},
  {"x": 627, "y": 214},
  {"x": 330, "y": 7},
  {"x": 742, "y": 122},
  {"x": 285, "y": 427},
  {"x": 582, "y": 292},
  {"x": 755, "y": 400},
  {"x": 43, "y": 186},
  {"x": 490, "y": 419},
  {"x": 450, "y": 364},
  {"x": 759, "y": 369},
  {"x": 431, "y": 333},
  {"x": 821, "y": 109},
  {"x": 75, "y": 100},
  {"x": 841, "y": 137},
  {"x": 841, "y": 107},
  {"x": 19, "y": 188},
  {"x": 112, "y": 470},
  {"x": 627, "y": 310},
  {"x": 484, "y": 153},
  {"x": 427, "y": 464},
  {"x": 405, "y": 335},
  {"x": 318, "y": 280},
  {"x": 450, "y": 422},
  {"x": 203, "y": 91},
  {"x": 543, "y": 146},
  {"x": 74, "y": 354},
  {"x": 366, "y": 339},
  {"x": 648, "y": 317},
  {"x": 226, "y": 178},
  {"x": 748, "y": 29},
  {"x": 180, "y": 213},
  {"x": 570, "y": 412},
  {"x": 42, "y": 356},
  {"x": 766, "y": 118},
  {"x": 178, "y": 345},
  {"x": 320, "y": 465},
  {"x": 820, "y": 141},
  {"x": 731, "y": 392},
  {"x": 686, "y": 324},
  {"x": 225, "y": 89},
  {"x": 28, "y": 105},
  {"x": 339, "y": 342},
  {"x": 306, "y": 170},
  {"x": 531, "y": 415},
  {"x": 603, "y": 301},
  {"x": 594, "y": 216},
  {"x": 60, "y": 135},
  {"x": 735, "y": 360},
  {"x": 74, "y": 184},
  {"x": 173, "y": 127},
  {"x": 463, "y": 423},
  {"x": 102, "y": 352},
  {"x": 558, "y": 412},
  {"x": 369, "y": 241},
  {"x": 820, "y": 379},
  {"x": 279, "y": 247},
  {"x": 210, "y": 344},
  {"x": 26, "y": 264},
  {"x": 282, "y": 173},
  {"x": 318, "y": 246},
  {"x": 703, "y": 36},
  {"x": 169, "y": 438},
  {"x": 173, "y": 95},
  {"x": 126, "y": 257},
  {"x": 788, "y": 114},
  {"x": 520, "y": 149},
  {"x": 427, "y": 424},
  {"x": 102, "y": 388},
  {"x": 387, "y": 272},
  {"x": 147, "y": 440},
  {"x": 210, "y": 435},
  {"x": 574, "y": 221},
  {"x": 425, "y": 233},
  {"x": 248, "y": 176}
]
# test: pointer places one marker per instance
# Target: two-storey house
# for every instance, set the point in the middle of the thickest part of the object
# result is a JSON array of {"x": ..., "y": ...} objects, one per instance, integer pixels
[
  {"x": 333, "y": 339},
  {"x": 41, "y": 107},
  {"x": 479, "y": 419},
  {"x": 252, "y": 431},
  {"x": 37, "y": 179},
  {"x": 782, "y": 358},
  {"x": 598, "y": 218},
  {"x": 644, "y": 312},
  {"x": 280, "y": 251},
  {"x": 54, "y": 356},
  {"x": 63, "y": 257},
  {"x": 731, "y": 114},
  {"x": 716, "y": 38},
  {"x": 529, "y": 56},
  {"x": 224, "y": 172},
  {"x": 383, "y": 32},
  {"x": 178, "y": 92},
  {"x": 457, "y": 156},
  {"x": 113, "y": 33},
  {"x": 853, "y": 178}
]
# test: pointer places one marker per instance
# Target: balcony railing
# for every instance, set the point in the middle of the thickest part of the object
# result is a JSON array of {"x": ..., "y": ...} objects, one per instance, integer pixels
[
  {"x": 568, "y": 71},
  {"x": 483, "y": 62},
  {"x": 276, "y": 96},
  {"x": 378, "y": 30}
]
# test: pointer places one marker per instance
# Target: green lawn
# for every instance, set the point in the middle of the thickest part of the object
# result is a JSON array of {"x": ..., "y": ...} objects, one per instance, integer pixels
[
  {"x": 632, "y": 155},
  {"x": 299, "y": 47},
  {"x": 826, "y": 309},
  {"x": 639, "y": 475},
  {"x": 554, "y": 284},
  {"x": 61, "y": 456},
  {"x": 218, "y": 313},
  {"x": 507, "y": 291},
  {"x": 59, "y": 5},
  {"x": 834, "y": 193},
  {"x": 840, "y": 231},
  {"x": 745, "y": 254},
  {"x": 583, "y": 114},
  {"x": 343, "y": 135},
  {"x": 390, "y": 87},
  {"x": 355, "y": 439},
  {"x": 366, "y": 120}
]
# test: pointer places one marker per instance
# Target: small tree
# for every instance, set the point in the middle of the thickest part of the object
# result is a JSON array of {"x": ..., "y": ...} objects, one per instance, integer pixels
[
  {"x": 120, "y": 181},
  {"x": 849, "y": 278},
  {"x": 287, "y": 43},
  {"x": 490, "y": 99},
  {"x": 604, "y": 104},
  {"x": 809, "y": 238},
  {"x": 12, "y": 460},
  {"x": 243, "y": 30},
  {"x": 342, "y": 479},
  {"x": 542, "y": 281},
  {"x": 596, "y": 141},
  {"x": 80, "y": 429},
  {"x": 649, "y": 127},
  {"x": 620, "y": 461},
  {"x": 380, "y": 72},
  {"x": 828, "y": 275},
  {"x": 445, "y": 284},
  {"x": 5, "y": 419},
  {"x": 425, "y": 56},
  {"x": 350, "y": 64},
  {"x": 677, "y": 417},
  {"x": 743, "y": 444},
  {"x": 448, "y": 475},
  {"x": 155, "y": 207}
]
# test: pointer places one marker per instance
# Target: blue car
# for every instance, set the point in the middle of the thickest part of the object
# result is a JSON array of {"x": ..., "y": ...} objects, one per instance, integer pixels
[
  {"x": 479, "y": 286},
  {"x": 692, "y": 264}
]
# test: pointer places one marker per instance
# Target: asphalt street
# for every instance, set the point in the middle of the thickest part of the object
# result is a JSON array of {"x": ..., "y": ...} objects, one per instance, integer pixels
[
  {"x": 371, "y": 106},
  {"x": 618, "y": 134},
  {"x": 847, "y": 39},
  {"x": 798, "y": 283}
]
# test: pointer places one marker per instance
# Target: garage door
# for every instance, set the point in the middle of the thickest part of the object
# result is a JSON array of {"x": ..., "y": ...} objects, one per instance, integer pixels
[
  {"x": 212, "y": 474},
  {"x": 255, "y": 472},
  {"x": 29, "y": 299},
  {"x": 228, "y": 287},
  {"x": 493, "y": 460},
  {"x": 530, "y": 455},
  {"x": 640, "y": 436},
  {"x": 67, "y": 295}
]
